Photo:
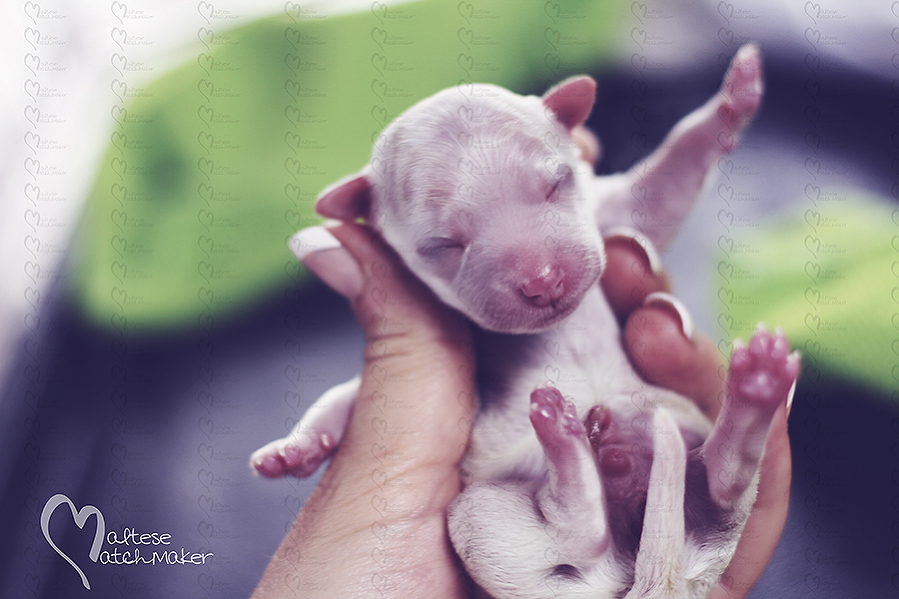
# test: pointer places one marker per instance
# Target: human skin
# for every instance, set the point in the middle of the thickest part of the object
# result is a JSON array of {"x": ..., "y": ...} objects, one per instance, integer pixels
[{"x": 376, "y": 524}]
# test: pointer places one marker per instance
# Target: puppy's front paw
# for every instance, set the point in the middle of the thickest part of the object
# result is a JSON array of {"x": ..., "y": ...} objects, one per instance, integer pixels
[{"x": 297, "y": 454}]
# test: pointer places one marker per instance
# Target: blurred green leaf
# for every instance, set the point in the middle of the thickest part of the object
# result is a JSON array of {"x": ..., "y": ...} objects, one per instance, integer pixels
[
  {"x": 215, "y": 165},
  {"x": 829, "y": 276}
]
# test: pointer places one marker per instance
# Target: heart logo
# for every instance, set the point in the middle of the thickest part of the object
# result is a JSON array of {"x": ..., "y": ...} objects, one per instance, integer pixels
[
  {"x": 466, "y": 62},
  {"x": 379, "y": 504},
  {"x": 379, "y": 556},
  {"x": 80, "y": 517},
  {"x": 726, "y": 10},
  {"x": 379, "y": 478},
  {"x": 379, "y": 530},
  {"x": 551, "y": 373},
  {"x": 379, "y": 62},
  {"x": 726, "y": 244},
  {"x": 813, "y": 245}
]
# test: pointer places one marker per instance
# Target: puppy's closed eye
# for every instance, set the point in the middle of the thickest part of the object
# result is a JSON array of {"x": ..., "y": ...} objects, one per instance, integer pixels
[
  {"x": 566, "y": 571},
  {"x": 444, "y": 254},
  {"x": 563, "y": 180},
  {"x": 433, "y": 246}
]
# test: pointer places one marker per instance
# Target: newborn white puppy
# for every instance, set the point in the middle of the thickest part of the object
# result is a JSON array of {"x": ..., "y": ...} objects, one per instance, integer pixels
[{"x": 620, "y": 488}]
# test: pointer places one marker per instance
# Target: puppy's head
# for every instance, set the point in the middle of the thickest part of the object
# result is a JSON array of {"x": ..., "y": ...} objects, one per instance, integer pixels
[{"x": 480, "y": 191}]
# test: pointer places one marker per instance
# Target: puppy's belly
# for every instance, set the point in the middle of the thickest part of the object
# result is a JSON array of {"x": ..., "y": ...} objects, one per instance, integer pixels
[
  {"x": 505, "y": 446},
  {"x": 583, "y": 358}
]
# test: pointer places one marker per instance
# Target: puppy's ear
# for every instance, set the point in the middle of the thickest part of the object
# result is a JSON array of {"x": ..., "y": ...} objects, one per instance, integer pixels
[
  {"x": 572, "y": 100},
  {"x": 348, "y": 199}
]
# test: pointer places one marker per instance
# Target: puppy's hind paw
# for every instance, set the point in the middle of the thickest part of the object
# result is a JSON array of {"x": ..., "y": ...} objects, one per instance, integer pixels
[
  {"x": 763, "y": 372},
  {"x": 555, "y": 418},
  {"x": 294, "y": 455}
]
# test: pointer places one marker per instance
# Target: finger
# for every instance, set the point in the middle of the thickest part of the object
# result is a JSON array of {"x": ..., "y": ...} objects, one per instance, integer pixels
[
  {"x": 395, "y": 307},
  {"x": 663, "y": 348},
  {"x": 416, "y": 396},
  {"x": 767, "y": 519},
  {"x": 387, "y": 298},
  {"x": 355, "y": 248},
  {"x": 633, "y": 271},
  {"x": 324, "y": 255},
  {"x": 362, "y": 243}
]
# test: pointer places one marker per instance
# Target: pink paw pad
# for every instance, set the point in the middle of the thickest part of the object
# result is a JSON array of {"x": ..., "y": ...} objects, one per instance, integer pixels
[
  {"x": 764, "y": 371},
  {"x": 742, "y": 87},
  {"x": 554, "y": 417},
  {"x": 296, "y": 456}
]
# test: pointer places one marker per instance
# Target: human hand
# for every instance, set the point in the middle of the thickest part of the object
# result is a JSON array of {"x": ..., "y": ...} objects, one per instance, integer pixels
[
  {"x": 376, "y": 523},
  {"x": 659, "y": 327}
]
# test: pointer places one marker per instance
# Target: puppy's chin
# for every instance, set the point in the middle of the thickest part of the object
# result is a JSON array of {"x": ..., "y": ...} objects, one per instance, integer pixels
[{"x": 514, "y": 319}]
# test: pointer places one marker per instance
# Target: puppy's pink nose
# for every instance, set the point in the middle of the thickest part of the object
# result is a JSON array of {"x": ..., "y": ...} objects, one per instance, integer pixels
[{"x": 545, "y": 287}]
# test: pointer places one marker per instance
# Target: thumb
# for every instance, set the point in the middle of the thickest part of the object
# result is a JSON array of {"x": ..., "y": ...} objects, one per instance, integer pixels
[
  {"x": 388, "y": 299},
  {"x": 418, "y": 372},
  {"x": 324, "y": 255}
]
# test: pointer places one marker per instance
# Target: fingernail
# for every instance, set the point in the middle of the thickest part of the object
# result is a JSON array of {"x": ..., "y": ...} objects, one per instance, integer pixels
[
  {"x": 639, "y": 242},
  {"x": 323, "y": 254},
  {"x": 790, "y": 395},
  {"x": 668, "y": 301},
  {"x": 311, "y": 240}
]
